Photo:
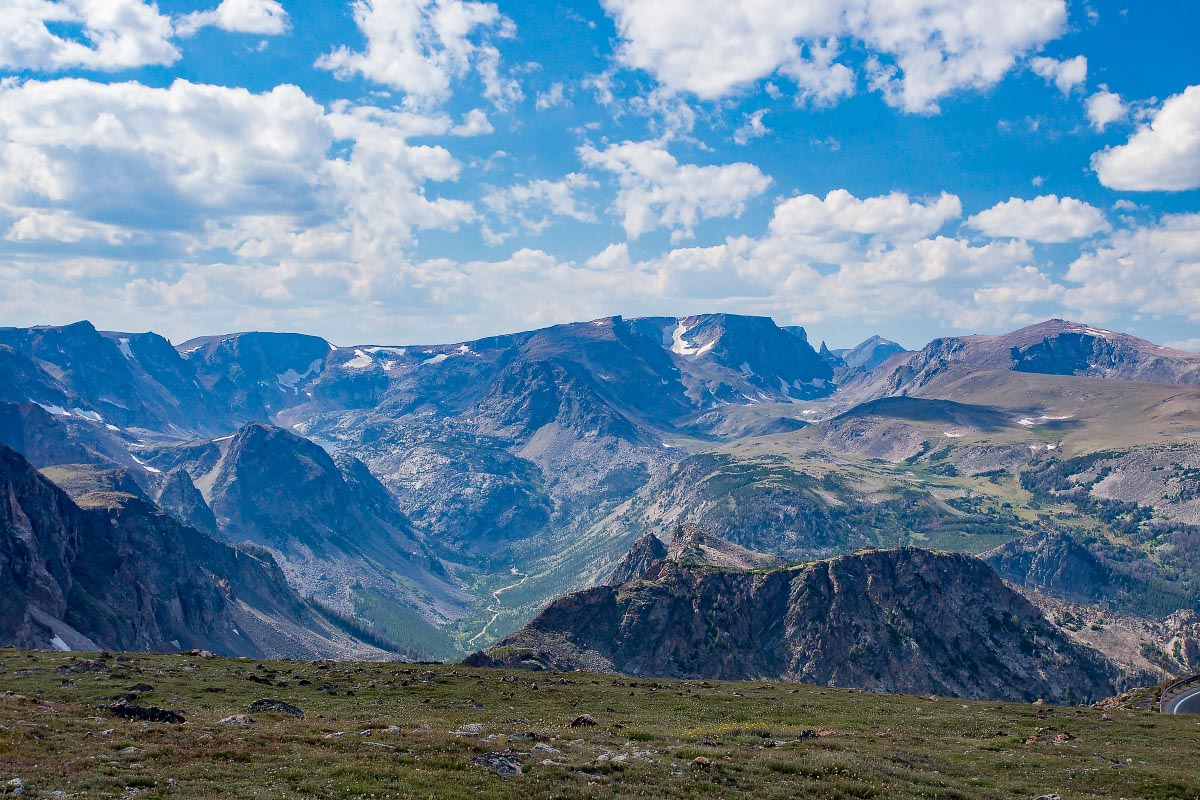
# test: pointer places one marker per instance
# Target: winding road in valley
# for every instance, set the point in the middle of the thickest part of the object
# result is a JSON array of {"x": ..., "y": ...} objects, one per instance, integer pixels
[{"x": 497, "y": 609}]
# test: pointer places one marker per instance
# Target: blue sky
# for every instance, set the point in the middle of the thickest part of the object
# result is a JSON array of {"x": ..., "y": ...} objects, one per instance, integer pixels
[{"x": 437, "y": 170}]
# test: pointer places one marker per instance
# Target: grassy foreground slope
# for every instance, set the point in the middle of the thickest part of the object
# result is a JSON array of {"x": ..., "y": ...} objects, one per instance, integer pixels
[{"x": 450, "y": 731}]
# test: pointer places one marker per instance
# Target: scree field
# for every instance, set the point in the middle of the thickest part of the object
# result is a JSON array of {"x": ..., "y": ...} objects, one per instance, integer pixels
[{"x": 386, "y": 730}]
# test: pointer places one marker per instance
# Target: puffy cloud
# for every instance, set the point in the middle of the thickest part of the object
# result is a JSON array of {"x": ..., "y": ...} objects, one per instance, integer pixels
[
  {"x": 835, "y": 228},
  {"x": 421, "y": 46},
  {"x": 1066, "y": 75},
  {"x": 475, "y": 123},
  {"x": 155, "y": 157},
  {"x": 1152, "y": 269},
  {"x": 263, "y": 17},
  {"x": 922, "y": 50},
  {"x": 656, "y": 191},
  {"x": 117, "y": 34},
  {"x": 195, "y": 166},
  {"x": 532, "y": 206},
  {"x": 552, "y": 98},
  {"x": 1043, "y": 219},
  {"x": 1104, "y": 108},
  {"x": 1163, "y": 155},
  {"x": 752, "y": 127},
  {"x": 850, "y": 261}
]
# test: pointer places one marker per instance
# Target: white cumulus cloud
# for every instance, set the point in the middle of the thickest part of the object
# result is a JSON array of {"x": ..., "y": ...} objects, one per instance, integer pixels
[
  {"x": 1066, "y": 75},
  {"x": 1043, "y": 219},
  {"x": 194, "y": 166},
  {"x": 656, "y": 191},
  {"x": 114, "y": 34},
  {"x": 263, "y": 17},
  {"x": 1151, "y": 269},
  {"x": 921, "y": 50},
  {"x": 532, "y": 206},
  {"x": 422, "y": 46},
  {"x": 1105, "y": 107},
  {"x": 1163, "y": 155}
]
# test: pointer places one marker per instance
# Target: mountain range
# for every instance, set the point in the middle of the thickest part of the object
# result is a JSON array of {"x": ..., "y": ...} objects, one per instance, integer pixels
[{"x": 434, "y": 498}]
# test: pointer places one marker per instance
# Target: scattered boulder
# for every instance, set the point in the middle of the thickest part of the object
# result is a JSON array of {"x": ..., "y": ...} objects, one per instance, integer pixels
[
  {"x": 16, "y": 787},
  {"x": 200, "y": 654},
  {"x": 82, "y": 665},
  {"x": 140, "y": 687},
  {"x": 506, "y": 762},
  {"x": 127, "y": 710},
  {"x": 583, "y": 720},
  {"x": 470, "y": 729},
  {"x": 269, "y": 705},
  {"x": 238, "y": 719}
]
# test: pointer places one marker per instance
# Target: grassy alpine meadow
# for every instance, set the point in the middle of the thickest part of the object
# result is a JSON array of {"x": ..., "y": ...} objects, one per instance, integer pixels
[{"x": 391, "y": 730}]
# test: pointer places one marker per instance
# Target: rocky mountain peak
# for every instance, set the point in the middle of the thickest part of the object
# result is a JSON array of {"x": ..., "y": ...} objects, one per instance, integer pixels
[{"x": 645, "y": 552}]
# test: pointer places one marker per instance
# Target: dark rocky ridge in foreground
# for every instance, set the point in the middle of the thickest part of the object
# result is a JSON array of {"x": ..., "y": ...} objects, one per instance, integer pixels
[{"x": 908, "y": 620}]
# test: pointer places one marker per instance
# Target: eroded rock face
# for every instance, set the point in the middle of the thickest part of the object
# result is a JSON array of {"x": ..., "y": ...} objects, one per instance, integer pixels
[
  {"x": 180, "y": 498},
  {"x": 907, "y": 620},
  {"x": 115, "y": 571},
  {"x": 1055, "y": 564}
]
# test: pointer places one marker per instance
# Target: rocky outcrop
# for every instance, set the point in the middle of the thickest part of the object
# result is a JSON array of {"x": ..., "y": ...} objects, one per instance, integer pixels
[
  {"x": 180, "y": 498},
  {"x": 1058, "y": 565},
  {"x": 892, "y": 621},
  {"x": 637, "y": 562},
  {"x": 696, "y": 546},
  {"x": 1054, "y": 563}
]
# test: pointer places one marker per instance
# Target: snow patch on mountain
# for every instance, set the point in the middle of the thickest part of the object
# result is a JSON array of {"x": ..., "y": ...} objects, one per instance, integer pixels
[
  {"x": 144, "y": 465},
  {"x": 361, "y": 360},
  {"x": 56, "y": 410},
  {"x": 290, "y": 378},
  {"x": 678, "y": 345}
]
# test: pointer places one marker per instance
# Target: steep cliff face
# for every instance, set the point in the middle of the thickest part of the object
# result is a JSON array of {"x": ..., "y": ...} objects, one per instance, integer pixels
[
  {"x": 113, "y": 571},
  {"x": 180, "y": 498},
  {"x": 908, "y": 620}
]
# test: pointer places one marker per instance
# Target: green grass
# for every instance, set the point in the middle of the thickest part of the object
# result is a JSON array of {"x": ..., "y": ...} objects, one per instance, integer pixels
[{"x": 761, "y": 740}]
